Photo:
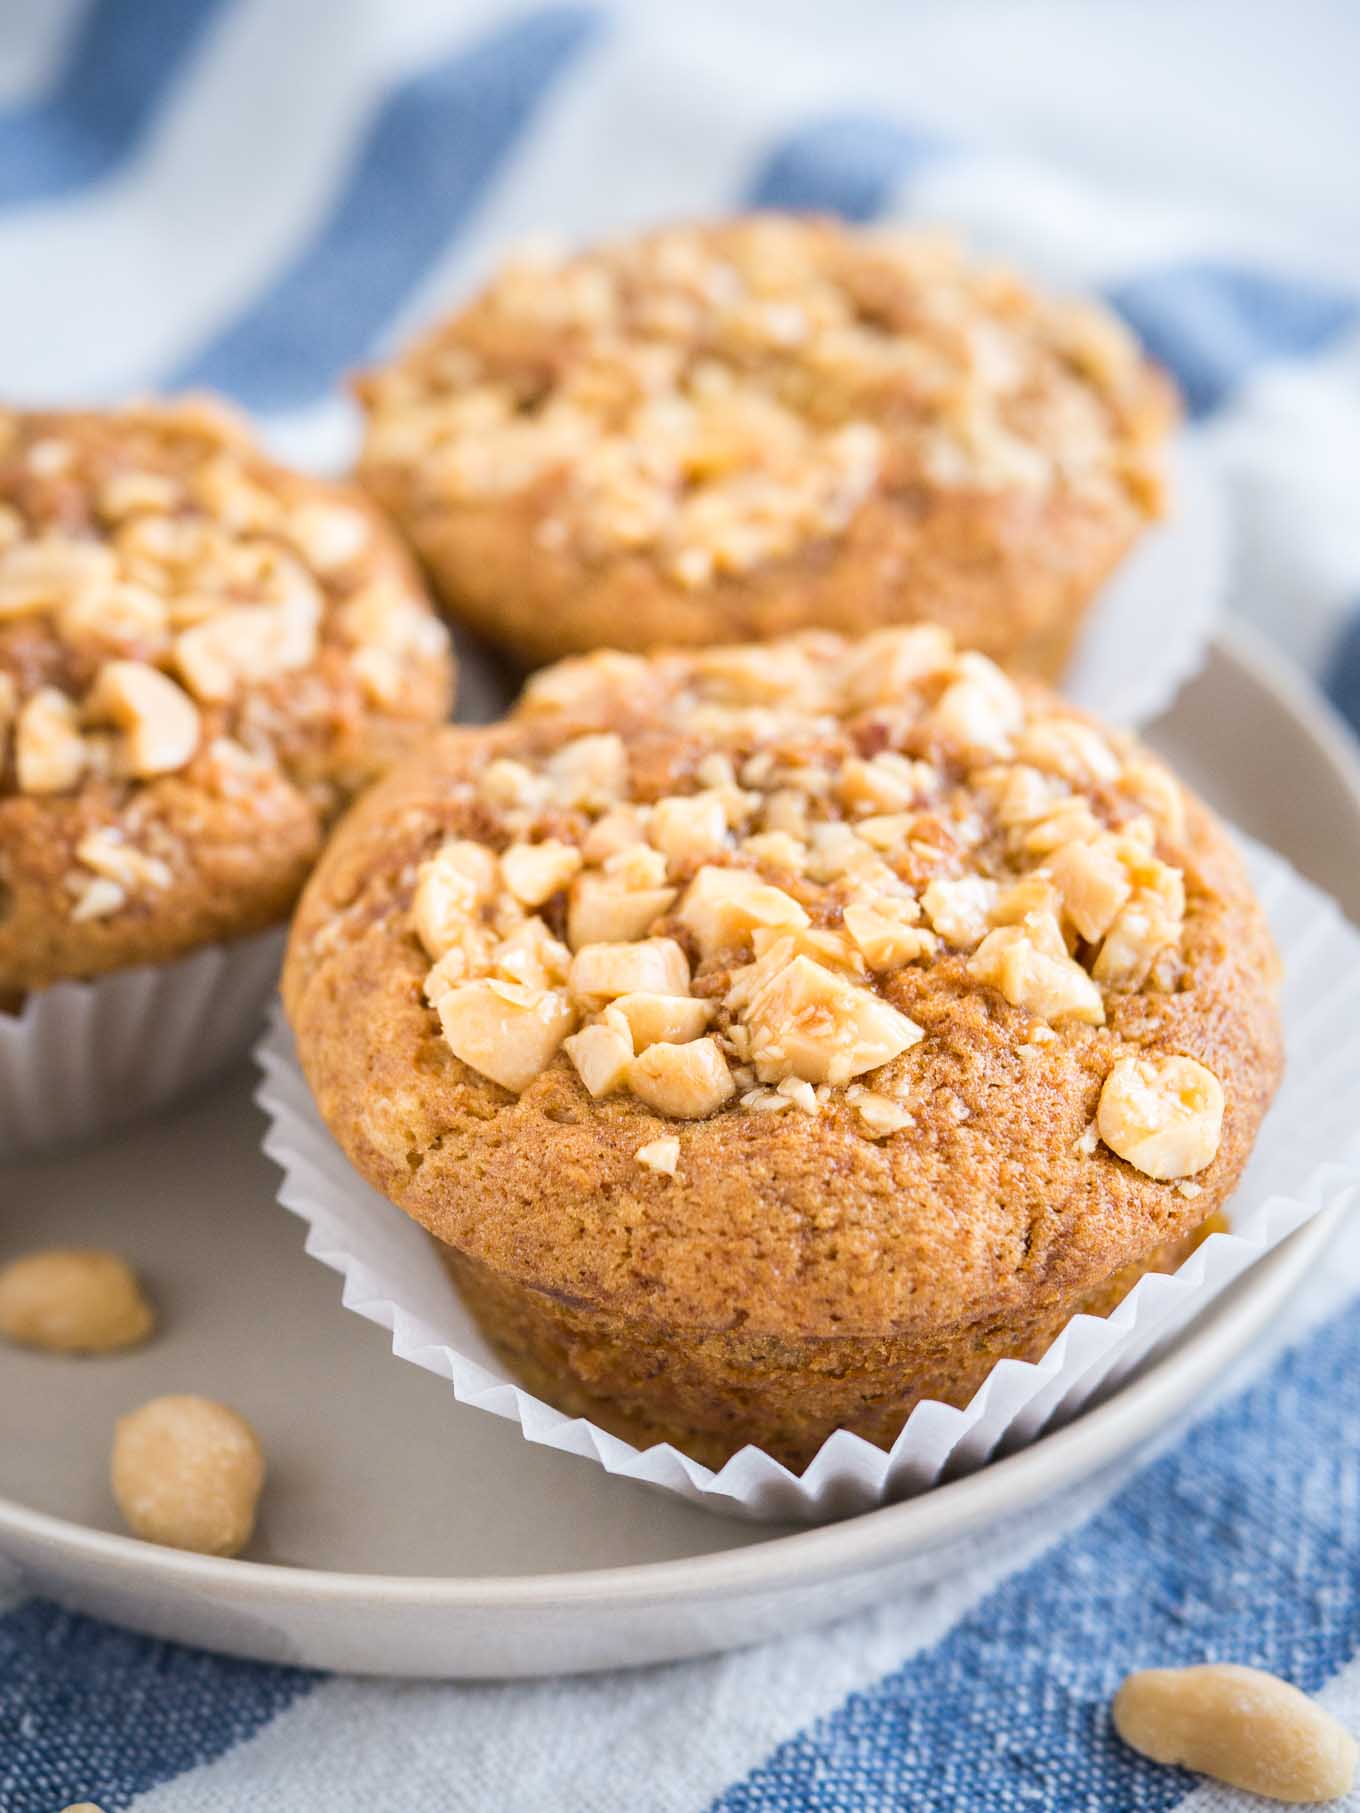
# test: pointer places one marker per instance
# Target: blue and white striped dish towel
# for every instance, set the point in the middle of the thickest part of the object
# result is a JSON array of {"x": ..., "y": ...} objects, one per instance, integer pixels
[{"x": 256, "y": 194}]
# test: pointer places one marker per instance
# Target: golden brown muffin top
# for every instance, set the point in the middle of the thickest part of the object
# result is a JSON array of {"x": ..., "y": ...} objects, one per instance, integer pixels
[
  {"x": 187, "y": 632},
  {"x": 717, "y": 397},
  {"x": 792, "y": 928}
]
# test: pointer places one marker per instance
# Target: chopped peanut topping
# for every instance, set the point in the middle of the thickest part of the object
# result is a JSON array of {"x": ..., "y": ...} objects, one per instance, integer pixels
[
  {"x": 718, "y": 398},
  {"x": 753, "y": 936}
]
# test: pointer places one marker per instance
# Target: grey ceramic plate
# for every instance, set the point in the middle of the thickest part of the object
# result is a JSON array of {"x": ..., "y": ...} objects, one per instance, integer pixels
[{"x": 404, "y": 1534}]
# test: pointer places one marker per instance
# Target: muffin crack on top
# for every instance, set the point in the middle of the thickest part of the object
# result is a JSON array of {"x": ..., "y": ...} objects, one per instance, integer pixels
[
  {"x": 842, "y": 1004},
  {"x": 711, "y": 432},
  {"x": 202, "y": 658}
]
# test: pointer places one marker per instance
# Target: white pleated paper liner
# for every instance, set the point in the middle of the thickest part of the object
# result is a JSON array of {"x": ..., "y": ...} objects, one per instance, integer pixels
[
  {"x": 84, "y": 1057},
  {"x": 1149, "y": 629},
  {"x": 1306, "y": 1159}
]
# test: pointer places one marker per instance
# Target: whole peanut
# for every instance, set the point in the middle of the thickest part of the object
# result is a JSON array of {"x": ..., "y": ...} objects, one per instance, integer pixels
[
  {"x": 1239, "y": 1725},
  {"x": 187, "y": 1472},
  {"x": 73, "y": 1300}
]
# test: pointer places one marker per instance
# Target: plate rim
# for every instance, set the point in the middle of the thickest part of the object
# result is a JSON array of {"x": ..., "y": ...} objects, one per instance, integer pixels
[
  {"x": 875, "y": 1538},
  {"x": 1116, "y": 1427}
]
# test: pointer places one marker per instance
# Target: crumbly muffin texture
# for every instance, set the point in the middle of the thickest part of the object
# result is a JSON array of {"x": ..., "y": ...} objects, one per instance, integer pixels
[
  {"x": 776, "y": 1035},
  {"x": 202, "y": 657},
  {"x": 716, "y": 432}
]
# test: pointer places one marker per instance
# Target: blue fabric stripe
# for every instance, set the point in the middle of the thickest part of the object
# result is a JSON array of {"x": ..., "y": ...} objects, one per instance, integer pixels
[
  {"x": 849, "y": 164},
  {"x": 88, "y": 1712},
  {"x": 424, "y": 166},
  {"x": 125, "y": 58},
  {"x": 1211, "y": 325},
  {"x": 1239, "y": 1545},
  {"x": 1342, "y": 676}
]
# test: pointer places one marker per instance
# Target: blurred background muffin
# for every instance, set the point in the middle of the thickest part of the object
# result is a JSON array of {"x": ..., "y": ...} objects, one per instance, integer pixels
[
  {"x": 202, "y": 658},
  {"x": 726, "y": 431}
]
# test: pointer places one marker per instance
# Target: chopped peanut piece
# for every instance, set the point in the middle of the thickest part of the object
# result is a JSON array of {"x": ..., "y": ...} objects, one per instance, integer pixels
[
  {"x": 685, "y": 1082},
  {"x": 881, "y": 668},
  {"x": 329, "y": 535},
  {"x": 532, "y": 955},
  {"x": 668, "y": 1019},
  {"x": 1093, "y": 885},
  {"x": 1034, "y": 973},
  {"x": 46, "y": 575},
  {"x": 244, "y": 644},
  {"x": 960, "y": 911},
  {"x": 49, "y": 751},
  {"x": 1162, "y": 1113},
  {"x": 450, "y": 887},
  {"x": 1159, "y": 791},
  {"x": 159, "y": 721},
  {"x": 605, "y": 971},
  {"x": 980, "y": 711},
  {"x": 660, "y": 1155},
  {"x": 885, "y": 941},
  {"x": 506, "y": 1031},
  {"x": 592, "y": 771},
  {"x": 534, "y": 872},
  {"x": 604, "y": 910},
  {"x": 618, "y": 830},
  {"x": 1067, "y": 747},
  {"x": 881, "y": 1114},
  {"x": 601, "y": 1053},
  {"x": 807, "y": 1021},
  {"x": 722, "y": 907},
  {"x": 687, "y": 829}
]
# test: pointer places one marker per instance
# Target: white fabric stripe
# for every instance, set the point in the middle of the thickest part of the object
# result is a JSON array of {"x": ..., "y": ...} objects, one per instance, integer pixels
[
  {"x": 1063, "y": 228},
  {"x": 141, "y": 270},
  {"x": 1289, "y": 446},
  {"x": 30, "y": 59},
  {"x": 669, "y": 1739}
]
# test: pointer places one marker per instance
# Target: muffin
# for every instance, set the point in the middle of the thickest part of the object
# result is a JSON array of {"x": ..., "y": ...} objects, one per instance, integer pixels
[
  {"x": 776, "y": 1036},
  {"x": 203, "y": 657},
  {"x": 740, "y": 430}
]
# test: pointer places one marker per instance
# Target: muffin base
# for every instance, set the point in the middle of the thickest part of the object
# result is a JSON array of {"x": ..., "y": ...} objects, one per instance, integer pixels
[{"x": 711, "y": 1393}]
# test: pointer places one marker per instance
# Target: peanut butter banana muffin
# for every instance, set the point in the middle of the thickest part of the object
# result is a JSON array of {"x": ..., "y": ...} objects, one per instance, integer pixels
[
  {"x": 202, "y": 658},
  {"x": 775, "y": 1036},
  {"x": 738, "y": 430}
]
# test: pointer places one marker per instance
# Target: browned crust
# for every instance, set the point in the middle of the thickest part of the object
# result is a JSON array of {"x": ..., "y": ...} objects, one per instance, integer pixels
[{"x": 238, "y": 845}]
